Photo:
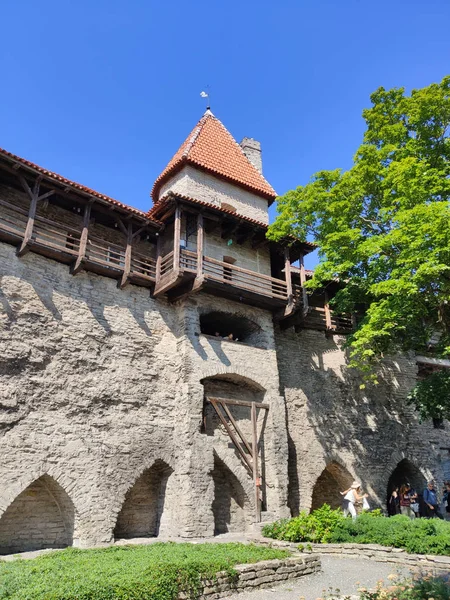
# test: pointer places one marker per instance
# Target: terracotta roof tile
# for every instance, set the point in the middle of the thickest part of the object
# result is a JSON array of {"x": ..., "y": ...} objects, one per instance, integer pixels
[
  {"x": 211, "y": 147},
  {"x": 73, "y": 184}
]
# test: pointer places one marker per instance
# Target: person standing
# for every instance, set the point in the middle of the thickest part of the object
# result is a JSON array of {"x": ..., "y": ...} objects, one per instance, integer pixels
[
  {"x": 353, "y": 500},
  {"x": 394, "y": 503},
  {"x": 446, "y": 500},
  {"x": 431, "y": 502},
  {"x": 405, "y": 501}
]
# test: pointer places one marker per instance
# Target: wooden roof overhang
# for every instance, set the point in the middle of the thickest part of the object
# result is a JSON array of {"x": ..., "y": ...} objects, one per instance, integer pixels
[
  {"x": 65, "y": 193},
  {"x": 233, "y": 224}
]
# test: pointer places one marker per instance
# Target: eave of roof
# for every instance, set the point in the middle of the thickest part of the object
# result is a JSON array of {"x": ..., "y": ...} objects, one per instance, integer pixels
[
  {"x": 210, "y": 147},
  {"x": 76, "y": 187},
  {"x": 172, "y": 197}
]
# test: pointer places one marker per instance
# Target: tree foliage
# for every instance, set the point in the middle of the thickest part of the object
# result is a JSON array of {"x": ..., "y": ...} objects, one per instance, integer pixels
[
  {"x": 431, "y": 396},
  {"x": 383, "y": 227}
]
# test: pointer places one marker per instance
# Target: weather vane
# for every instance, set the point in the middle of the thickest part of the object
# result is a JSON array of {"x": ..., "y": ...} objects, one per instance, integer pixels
[{"x": 206, "y": 96}]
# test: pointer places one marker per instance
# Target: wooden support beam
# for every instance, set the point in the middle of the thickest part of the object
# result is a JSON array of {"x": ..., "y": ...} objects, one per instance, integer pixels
[
  {"x": 127, "y": 267},
  {"x": 34, "y": 199},
  {"x": 200, "y": 244},
  {"x": 256, "y": 479},
  {"x": 238, "y": 402},
  {"x": 158, "y": 260},
  {"x": 236, "y": 426},
  {"x": 327, "y": 311},
  {"x": 83, "y": 239},
  {"x": 176, "y": 239},
  {"x": 288, "y": 276},
  {"x": 122, "y": 227},
  {"x": 302, "y": 283},
  {"x": 231, "y": 434}
]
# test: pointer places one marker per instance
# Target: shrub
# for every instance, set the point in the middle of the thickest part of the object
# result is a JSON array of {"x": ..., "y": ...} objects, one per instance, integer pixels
[
  {"x": 157, "y": 571},
  {"x": 420, "y": 536},
  {"x": 314, "y": 527},
  {"x": 420, "y": 588}
]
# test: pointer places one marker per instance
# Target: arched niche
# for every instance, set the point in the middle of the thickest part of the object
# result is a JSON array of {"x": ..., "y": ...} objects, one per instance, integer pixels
[
  {"x": 406, "y": 472},
  {"x": 222, "y": 324},
  {"x": 232, "y": 387},
  {"x": 231, "y": 507},
  {"x": 333, "y": 480},
  {"x": 42, "y": 516},
  {"x": 148, "y": 504}
]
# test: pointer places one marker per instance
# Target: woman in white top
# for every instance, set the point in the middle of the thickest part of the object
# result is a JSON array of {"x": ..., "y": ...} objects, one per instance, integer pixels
[{"x": 353, "y": 500}]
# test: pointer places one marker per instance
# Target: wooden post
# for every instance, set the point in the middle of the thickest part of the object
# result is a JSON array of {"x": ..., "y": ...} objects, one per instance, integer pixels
[
  {"x": 158, "y": 260},
  {"x": 176, "y": 239},
  {"x": 83, "y": 239},
  {"x": 327, "y": 311},
  {"x": 288, "y": 276},
  {"x": 127, "y": 267},
  {"x": 200, "y": 244},
  {"x": 34, "y": 199},
  {"x": 256, "y": 481},
  {"x": 302, "y": 283}
]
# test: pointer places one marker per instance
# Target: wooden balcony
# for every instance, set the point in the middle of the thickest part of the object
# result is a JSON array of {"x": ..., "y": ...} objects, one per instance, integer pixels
[
  {"x": 62, "y": 242},
  {"x": 218, "y": 278}
]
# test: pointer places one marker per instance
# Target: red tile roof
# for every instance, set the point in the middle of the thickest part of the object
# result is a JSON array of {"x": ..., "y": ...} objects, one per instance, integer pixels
[
  {"x": 211, "y": 147},
  {"x": 73, "y": 184}
]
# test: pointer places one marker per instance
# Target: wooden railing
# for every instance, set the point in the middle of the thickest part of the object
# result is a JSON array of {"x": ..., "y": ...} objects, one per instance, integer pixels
[
  {"x": 227, "y": 274},
  {"x": 251, "y": 281},
  {"x": 316, "y": 319},
  {"x": 62, "y": 238}
]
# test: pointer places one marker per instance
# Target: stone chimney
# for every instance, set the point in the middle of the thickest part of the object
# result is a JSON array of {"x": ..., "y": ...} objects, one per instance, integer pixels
[{"x": 252, "y": 150}]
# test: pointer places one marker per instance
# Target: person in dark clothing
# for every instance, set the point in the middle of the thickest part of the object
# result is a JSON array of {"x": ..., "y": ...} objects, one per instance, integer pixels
[
  {"x": 430, "y": 502},
  {"x": 446, "y": 500},
  {"x": 394, "y": 503}
]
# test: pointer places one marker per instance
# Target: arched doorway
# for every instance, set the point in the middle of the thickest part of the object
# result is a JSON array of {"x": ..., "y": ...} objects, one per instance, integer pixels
[
  {"x": 42, "y": 516},
  {"x": 333, "y": 480},
  {"x": 230, "y": 506},
  {"x": 406, "y": 472},
  {"x": 145, "y": 511}
]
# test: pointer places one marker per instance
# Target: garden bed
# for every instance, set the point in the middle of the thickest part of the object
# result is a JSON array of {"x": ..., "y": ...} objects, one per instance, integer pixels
[{"x": 161, "y": 571}]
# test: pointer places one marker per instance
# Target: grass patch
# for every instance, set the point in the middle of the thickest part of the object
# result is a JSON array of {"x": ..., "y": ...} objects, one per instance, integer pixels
[
  {"x": 324, "y": 525},
  {"x": 154, "y": 572}
]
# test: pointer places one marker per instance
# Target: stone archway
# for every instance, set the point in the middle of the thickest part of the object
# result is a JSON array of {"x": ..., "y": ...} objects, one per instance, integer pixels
[
  {"x": 231, "y": 507},
  {"x": 148, "y": 505},
  {"x": 333, "y": 480},
  {"x": 42, "y": 516},
  {"x": 406, "y": 472}
]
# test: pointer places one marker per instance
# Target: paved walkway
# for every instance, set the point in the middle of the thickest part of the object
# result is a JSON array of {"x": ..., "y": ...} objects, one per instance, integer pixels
[{"x": 345, "y": 574}]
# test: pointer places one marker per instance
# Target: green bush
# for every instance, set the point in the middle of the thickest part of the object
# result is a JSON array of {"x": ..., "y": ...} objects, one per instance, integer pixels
[
  {"x": 314, "y": 527},
  {"x": 154, "y": 572},
  {"x": 420, "y": 536}
]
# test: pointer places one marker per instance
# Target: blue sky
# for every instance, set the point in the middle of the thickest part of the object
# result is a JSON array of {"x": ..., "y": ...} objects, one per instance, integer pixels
[{"x": 104, "y": 91}]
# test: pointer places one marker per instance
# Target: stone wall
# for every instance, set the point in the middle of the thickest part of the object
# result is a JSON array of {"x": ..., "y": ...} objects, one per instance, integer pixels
[
  {"x": 366, "y": 433},
  {"x": 207, "y": 188}
]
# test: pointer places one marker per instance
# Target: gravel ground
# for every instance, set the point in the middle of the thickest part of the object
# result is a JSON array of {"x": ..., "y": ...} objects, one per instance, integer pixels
[{"x": 346, "y": 574}]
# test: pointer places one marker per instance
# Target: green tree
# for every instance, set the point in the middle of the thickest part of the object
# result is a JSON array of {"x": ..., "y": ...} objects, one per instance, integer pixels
[{"x": 383, "y": 227}]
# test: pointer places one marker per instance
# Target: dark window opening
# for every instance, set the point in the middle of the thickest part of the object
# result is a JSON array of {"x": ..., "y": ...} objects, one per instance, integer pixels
[
  {"x": 228, "y": 271},
  {"x": 228, "y": 326},
  {"x": 438, "y": 423}
]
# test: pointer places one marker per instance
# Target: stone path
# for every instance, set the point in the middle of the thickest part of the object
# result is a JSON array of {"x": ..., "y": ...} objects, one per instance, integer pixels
[{"x": 346, "y": 574}]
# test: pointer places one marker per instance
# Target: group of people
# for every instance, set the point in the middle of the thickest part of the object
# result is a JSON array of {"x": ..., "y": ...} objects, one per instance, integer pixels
[{"x": 406, "y": 501}]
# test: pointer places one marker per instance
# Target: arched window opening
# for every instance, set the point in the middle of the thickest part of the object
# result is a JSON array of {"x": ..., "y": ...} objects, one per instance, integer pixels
[
  {"x": 233, "y": 387},
  {"x": 148, "y": 505},
  {"x": 230, "y": 505},
  {"x": 42, "y": 516},
  {"x": 333, "y": 480},
  {"x": 225, "y": 325},
  {"x": 406, "y": 472}
]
